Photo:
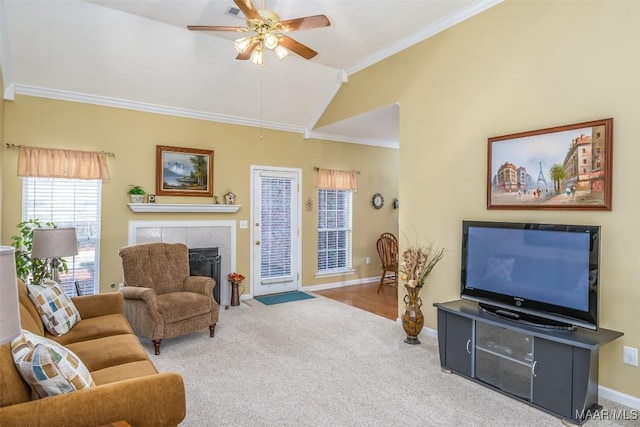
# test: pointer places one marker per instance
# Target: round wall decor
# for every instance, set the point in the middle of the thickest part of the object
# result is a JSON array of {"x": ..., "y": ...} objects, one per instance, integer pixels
[{"x": 377, "y": 200}]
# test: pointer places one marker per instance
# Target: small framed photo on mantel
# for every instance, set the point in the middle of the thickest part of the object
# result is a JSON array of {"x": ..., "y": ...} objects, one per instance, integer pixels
[
  {"x": 564, "y": 168},
  {"x": 184, "y": 171}
]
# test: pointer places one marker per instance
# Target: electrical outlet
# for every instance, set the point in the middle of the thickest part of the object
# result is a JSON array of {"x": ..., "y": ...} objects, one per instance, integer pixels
[
  {"x": 367, "y": 260},
  {"x": 630, "y": 356}
]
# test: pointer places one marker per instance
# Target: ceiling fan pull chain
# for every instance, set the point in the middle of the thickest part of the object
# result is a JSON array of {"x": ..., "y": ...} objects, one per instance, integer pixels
[{"x": 261, "y": 78}]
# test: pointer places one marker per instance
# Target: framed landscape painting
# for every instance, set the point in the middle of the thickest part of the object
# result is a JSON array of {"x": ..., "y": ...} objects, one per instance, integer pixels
[
  {"x": 184, "y": 171},
  {"x": 565, "y": 167}
]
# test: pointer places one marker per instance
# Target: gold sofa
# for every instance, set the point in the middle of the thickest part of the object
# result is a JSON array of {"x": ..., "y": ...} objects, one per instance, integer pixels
[{"x": 128, "y": 386}]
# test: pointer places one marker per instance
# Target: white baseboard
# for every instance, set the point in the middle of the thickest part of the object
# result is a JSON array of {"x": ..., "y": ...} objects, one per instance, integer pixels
[{"x": 616, "y": 396}]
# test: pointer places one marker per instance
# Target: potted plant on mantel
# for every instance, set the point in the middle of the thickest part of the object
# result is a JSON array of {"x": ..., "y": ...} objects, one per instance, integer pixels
[{"x": 137, "y": 193}]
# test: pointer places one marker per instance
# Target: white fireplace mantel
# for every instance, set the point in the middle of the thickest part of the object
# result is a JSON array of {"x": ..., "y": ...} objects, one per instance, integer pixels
[{"x": 182, "y": 207}]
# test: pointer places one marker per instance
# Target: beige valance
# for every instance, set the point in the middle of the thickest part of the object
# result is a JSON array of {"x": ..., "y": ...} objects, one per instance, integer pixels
[
  {"x": 58, "y": 163},
  {"x": 330, "y": 179}
]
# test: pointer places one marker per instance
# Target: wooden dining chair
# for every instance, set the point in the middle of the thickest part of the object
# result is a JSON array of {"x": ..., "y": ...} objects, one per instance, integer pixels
[{"x": 387, "y": 245}]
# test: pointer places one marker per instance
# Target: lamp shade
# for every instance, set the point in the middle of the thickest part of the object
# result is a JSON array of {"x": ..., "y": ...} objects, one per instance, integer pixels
[
  {"x": 9, "y": 311},
  {"x": 54, "y": 242}
]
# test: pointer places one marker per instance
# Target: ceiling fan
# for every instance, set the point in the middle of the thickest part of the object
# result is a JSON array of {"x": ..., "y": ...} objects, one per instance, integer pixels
[{"x": 269, "y": 32}]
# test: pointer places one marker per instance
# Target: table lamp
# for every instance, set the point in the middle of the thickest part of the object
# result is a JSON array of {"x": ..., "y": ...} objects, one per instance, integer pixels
[
  {"x": 54, "y": 243},
  {"x": 9, "y": 314}
]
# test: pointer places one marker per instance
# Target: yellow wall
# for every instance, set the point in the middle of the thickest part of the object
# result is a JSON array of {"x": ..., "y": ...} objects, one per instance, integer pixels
[
  {"x": 518, "y": 66},
  {"x": 133, "y": 137}
]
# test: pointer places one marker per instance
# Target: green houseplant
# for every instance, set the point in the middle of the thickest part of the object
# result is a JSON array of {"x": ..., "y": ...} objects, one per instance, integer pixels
[
  {"x": 137, "y": 193},
  {"x": 26, "y": 266}
]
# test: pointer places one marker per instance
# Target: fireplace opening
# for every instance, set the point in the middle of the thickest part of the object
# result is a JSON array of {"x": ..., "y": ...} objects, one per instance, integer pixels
[{"x": 206, "y": 262}]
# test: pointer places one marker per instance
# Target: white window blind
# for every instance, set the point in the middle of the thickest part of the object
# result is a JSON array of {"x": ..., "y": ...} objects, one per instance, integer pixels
[
  {"x": 334, "y": 231},
  {"x": 276, "y": 228},
  {"x": 70, "y": 203}
]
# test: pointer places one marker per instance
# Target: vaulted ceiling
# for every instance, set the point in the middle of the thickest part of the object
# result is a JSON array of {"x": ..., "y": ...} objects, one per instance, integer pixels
[{"x": 139, "y": 54}]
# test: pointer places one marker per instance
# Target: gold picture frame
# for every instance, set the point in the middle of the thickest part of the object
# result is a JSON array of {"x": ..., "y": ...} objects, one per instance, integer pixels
[
  {"x": 564, "y": 168},
  {"x": 184, "y": 171}
]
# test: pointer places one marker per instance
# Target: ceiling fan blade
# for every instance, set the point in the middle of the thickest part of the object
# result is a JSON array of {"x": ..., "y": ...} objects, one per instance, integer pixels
[
  {"x": 214, "y": 28},
  {"x": 247, "y": 53},
  {"x": 296, "y": 47},
  {"x": 306, "y": 23},
  {"x": 249, "y": 10}
]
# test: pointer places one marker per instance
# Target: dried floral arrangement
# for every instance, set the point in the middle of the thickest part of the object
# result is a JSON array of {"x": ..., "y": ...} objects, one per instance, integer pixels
[{"x": 417, "y": 262}]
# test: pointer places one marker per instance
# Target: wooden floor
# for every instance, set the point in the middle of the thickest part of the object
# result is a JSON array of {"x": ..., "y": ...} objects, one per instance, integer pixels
[{"x": 364, "y": 296}]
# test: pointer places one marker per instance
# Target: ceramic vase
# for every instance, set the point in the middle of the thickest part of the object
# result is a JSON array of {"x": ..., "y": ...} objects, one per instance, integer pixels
[{"x": 412, "y": 319}]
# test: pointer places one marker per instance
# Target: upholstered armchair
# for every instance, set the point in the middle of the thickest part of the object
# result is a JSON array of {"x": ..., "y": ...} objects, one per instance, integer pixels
[{"x": 161, "y": 300}]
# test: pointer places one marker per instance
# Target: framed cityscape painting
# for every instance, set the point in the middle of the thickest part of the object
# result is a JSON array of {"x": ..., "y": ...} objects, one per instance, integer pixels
[
  {"x": 184, "y": 171},
  {"x": 564, "y": 167}
]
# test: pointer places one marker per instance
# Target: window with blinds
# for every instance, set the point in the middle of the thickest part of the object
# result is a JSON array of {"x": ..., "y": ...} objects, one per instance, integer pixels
[
  {"x": 275, "y": 249},
  {"x": 334, "y": 231},
  {"x": 70, "y": 203}
]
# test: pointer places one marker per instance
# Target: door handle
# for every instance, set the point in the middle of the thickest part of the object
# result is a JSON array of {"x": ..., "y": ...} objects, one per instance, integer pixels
[
  {"x": 533, "y": 368},
  {"x": 257, "y": 242},
  {"x": 468, "y": 344}
]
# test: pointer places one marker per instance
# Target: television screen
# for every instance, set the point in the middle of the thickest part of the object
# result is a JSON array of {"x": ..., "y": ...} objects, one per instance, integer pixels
[{"x": 544, "y": 270}]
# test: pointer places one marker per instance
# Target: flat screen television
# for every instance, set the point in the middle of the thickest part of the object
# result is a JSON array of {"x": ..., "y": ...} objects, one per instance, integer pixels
[{"x": 544, "y": 274}]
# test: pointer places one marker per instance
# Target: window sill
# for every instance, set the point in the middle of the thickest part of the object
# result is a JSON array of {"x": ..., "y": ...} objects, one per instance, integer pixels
[{"x": 334, "y": 273}]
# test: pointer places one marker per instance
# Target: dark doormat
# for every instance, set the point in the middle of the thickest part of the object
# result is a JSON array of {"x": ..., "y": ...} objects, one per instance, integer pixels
[{"x": 286, "y": 297}]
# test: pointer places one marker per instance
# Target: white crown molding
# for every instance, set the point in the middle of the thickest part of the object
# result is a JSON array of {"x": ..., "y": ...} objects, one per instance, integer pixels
[
  {"x": 354, "y": 140},
  {"x": 341, "y": 78},
  {"x": 150, "y": 108},
  {"x": 425, "y": 33},
  {"x": 158, "y": 109},
  {"x": 180, "y": 207}
]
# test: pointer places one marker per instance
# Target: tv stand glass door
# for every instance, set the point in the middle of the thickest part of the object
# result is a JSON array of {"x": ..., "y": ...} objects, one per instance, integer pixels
[{"x": 504, "y": 359}]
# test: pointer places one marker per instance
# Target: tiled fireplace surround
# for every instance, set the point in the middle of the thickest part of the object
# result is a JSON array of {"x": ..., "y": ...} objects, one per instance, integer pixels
[{"x": 195, "y": 234}]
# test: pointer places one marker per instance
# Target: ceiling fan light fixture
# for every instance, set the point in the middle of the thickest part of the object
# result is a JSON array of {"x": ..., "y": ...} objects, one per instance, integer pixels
[
  {"x": 242, "y": 44},
  {"x": 256, "y": 56},
  {"x": 281, "y": 52},
  {"x": 270, "y": 41}
]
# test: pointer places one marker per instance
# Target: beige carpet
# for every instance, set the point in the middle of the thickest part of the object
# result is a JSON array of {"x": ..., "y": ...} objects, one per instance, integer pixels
[{"x": 319, "y": 362}]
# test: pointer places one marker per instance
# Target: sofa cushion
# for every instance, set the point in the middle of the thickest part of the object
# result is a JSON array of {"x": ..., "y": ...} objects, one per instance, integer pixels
[
  {"x": 56, "y": 310},
  {"x": 124, "y": 371},
  {"x": 94, "y": 328},
  {"x": 109, "y": 351},
  {"x": 49, "y": 367}
]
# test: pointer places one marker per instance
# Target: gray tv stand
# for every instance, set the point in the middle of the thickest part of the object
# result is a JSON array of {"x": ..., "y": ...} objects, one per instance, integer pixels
[{"x": 553, "y": 370}]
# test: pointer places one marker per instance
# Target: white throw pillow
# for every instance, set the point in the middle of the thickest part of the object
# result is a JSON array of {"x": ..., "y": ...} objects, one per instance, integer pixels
[
  {"x": 55, "y": 308},
  {"x": 48, "y": 367}
]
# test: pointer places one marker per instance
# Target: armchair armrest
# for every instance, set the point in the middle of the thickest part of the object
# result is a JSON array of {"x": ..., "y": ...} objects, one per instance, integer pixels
[
  {"x": 147, "y": 295},
  {"x": 159, "y": 401},
  {"x": 199, "y": 284},
  {"x": 99, "y": 305}
]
